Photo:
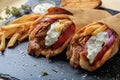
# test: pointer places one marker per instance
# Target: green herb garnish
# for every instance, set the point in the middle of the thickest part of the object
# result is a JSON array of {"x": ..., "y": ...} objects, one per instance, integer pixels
[
  {"x": 7, "y": 11},
  {"x": 26, "y": 8},
  {"x": 1, "y": 18},
  {"x": 44, "y": 73},
  {"x": 15, "y": 11},
  {"x": 55, "y": 70},
  {"x": 6, "y": 23}
]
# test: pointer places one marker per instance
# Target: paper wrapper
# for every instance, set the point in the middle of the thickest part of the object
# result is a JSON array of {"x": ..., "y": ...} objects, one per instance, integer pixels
[
  {"x": 82, "y": 17},
  {"x": 113, "y": 22}
]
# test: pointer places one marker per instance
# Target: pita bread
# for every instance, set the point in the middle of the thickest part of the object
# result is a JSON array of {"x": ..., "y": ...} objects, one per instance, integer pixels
[
  {"x": 113, "y": 23},
  {"x": 82, "y": 17},
  {"x": 91, "y": 4}
]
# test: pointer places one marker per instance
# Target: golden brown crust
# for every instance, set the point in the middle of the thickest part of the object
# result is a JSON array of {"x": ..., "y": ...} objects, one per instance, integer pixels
[
  {"x": 61, "y": 16},
  {"x": 35, "y": 23},
  {"x": 83, "y": 61},
  {"x": 81, "y": 3},
  {"x": 82, "y": 18},
  {"x": 46, "y": 52}
]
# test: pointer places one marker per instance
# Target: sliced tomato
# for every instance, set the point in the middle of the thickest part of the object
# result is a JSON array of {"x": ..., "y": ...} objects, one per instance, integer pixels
[
  {"x": 100, "y": 55},
  {"x": 64, "y": 36}
]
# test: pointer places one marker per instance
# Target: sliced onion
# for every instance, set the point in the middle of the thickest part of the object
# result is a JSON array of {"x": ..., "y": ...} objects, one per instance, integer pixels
[
  {"x": 50, "y": 20},
  {"x": 109, "y": 32},
  {"x": 110, "y": 41}
]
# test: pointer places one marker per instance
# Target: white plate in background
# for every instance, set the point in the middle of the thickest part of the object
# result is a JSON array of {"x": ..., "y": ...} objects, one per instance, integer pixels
[{"x": 111, "y": 4}]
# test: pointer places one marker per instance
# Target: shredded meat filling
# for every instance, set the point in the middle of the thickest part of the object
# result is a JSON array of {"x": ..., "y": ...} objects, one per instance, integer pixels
[{"x": 77, "y": 49}]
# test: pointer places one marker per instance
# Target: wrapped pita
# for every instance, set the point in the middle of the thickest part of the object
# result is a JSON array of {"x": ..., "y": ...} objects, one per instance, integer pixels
[
  {"x": 83, "y": 47},
  {"x": 82, "y": 17},
  {"x": 50, "y": 34},
  {"x": 113, "y": 22}
]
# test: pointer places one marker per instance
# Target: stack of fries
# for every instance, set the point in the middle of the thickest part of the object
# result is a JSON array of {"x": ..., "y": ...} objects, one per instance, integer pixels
[{"x": 17, "y": 30}]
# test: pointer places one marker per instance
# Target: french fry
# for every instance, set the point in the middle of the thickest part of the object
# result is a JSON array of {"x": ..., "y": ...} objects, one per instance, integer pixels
[
  {"x": 100, "y": 29},
  {"x": 9, "y": 30},
  {"x": 2, "y": 41},
  {"x": 16, "y": 30},
  {"x": 13, "y": 40},
  {"x": 35, "y": 23},
  {"x": 22, "y": 37},
  {"x": 89, "y": 30},
  {"x": 27, "y": 25},
  {"x": 26, "y": 18},
  {"x": 24, "y": 33},
  {"x": 10, "y": 26}
]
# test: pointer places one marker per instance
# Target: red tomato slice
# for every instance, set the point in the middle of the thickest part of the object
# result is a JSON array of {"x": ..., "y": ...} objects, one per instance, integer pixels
[
  {"x": 100, "y": 54},
  {"x": 64, "y": 36}
]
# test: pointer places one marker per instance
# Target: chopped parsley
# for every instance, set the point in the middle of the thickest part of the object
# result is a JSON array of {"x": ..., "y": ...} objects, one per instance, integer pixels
[
  {"x": 55, "y": 70},
  {"x": 44, "y": 74},
  {"x": 15, "y": 11},
  {"x": 1, "y": 18},
  {"x": 7, "y": 11},
  {"x": 26, "y": 8}
]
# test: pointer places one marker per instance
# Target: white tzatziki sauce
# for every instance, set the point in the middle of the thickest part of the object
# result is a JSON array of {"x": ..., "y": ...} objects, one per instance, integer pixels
[
  {"x": 94, "y": 45},
  {"x": 52, "y": 34},
  {"x": 42, "y": 7}
]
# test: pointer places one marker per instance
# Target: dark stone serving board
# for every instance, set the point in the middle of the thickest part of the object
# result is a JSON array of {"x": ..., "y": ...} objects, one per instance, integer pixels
[{"x": 16, "y": 64}]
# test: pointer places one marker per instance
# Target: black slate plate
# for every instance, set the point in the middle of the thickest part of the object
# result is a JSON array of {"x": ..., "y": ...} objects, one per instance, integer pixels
[{"x": 16, "y": 63}]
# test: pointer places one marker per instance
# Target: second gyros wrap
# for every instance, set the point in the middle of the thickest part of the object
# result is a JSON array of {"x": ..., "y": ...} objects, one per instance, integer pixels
[{"x": 94, "y": 44}]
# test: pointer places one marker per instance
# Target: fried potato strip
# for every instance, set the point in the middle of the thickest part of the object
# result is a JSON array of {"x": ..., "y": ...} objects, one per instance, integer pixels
[
  {"x": 2, "y": 41},
  {"x": 17, "y": 30}
]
